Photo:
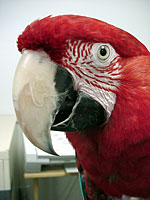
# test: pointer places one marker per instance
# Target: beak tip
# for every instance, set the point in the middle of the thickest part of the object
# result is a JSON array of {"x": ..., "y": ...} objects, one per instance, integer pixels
[
  {"x": 45, "y": 144},
  {"x": 50, "y": 150}
]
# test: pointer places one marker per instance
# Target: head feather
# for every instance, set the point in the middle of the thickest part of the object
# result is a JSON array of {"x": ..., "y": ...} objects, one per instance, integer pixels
[{"x": 51, "y": 33}]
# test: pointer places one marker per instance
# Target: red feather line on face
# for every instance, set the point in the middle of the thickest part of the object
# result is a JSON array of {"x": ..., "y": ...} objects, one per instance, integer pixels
[
  {"x": 78, "y": 59},
  {"x": 51, "y": 33}
]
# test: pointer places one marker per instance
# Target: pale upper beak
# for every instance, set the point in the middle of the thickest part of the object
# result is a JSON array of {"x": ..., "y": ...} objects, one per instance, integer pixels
[{"x": 35, "y": 97}]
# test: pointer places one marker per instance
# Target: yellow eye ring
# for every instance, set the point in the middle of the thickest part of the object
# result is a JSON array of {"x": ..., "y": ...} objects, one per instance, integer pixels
[{"x": 103, "y": 52}]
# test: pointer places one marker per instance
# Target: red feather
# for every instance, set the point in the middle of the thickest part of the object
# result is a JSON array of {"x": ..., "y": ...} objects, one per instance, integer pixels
[{"x": 51, "y": 33}]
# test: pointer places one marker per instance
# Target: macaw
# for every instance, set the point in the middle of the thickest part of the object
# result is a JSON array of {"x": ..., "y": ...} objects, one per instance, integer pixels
[{"x": 91, "y": 80}]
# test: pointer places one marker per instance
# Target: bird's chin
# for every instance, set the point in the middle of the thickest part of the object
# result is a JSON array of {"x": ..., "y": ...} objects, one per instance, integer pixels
[{"x": 45, "y": 99}]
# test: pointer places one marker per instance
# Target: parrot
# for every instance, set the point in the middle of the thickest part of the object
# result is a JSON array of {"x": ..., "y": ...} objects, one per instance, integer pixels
[{"x": 91, "y": 80}]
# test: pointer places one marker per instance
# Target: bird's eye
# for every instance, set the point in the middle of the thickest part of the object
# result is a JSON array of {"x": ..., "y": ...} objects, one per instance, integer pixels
[{"x": 103, "y": 52}]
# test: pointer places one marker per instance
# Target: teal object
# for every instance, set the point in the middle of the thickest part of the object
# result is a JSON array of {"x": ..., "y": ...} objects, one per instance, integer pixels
[{"x": 82, "y": 186}]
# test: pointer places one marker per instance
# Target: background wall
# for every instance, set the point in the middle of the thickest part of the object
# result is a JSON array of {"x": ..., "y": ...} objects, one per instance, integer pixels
[{"x": 130, "y": 15}]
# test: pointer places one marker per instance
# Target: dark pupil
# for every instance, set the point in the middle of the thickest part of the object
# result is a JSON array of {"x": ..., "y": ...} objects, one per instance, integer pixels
[{"x": 103, "y": 51}]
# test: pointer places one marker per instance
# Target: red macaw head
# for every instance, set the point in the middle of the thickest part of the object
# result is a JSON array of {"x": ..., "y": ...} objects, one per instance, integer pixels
[{"x": 70, "y": 74}]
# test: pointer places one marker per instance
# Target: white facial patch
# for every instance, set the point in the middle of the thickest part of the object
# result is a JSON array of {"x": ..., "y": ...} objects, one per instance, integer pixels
[{"x": 93, "y": 76}]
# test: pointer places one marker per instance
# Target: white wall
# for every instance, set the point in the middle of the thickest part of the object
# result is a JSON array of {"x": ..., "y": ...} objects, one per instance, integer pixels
[{"x": 130, "y": 15}]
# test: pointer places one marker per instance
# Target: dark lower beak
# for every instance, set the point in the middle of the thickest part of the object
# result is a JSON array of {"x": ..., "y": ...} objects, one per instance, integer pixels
[{"x": 44, "y": 99}]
